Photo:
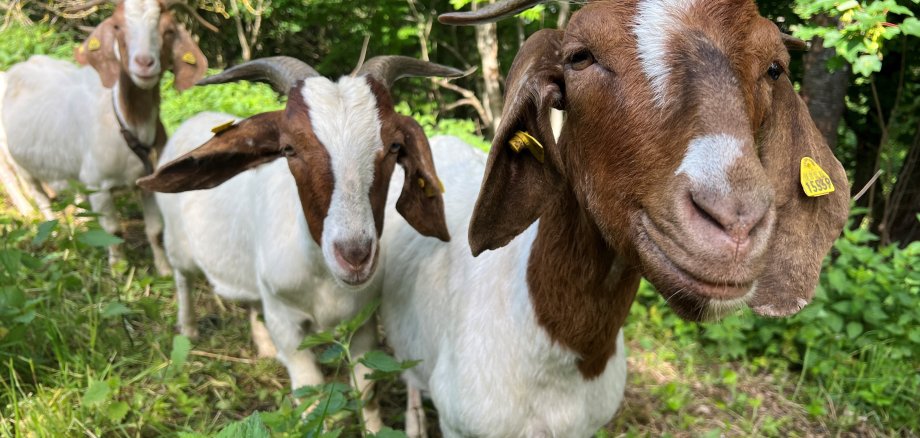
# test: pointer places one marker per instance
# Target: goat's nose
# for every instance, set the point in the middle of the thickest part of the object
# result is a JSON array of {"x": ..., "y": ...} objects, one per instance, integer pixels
[
  {"x": 735, "y": 214},
  {"x": 355, "y": 253},
  {"x": 145, "y": 61}
]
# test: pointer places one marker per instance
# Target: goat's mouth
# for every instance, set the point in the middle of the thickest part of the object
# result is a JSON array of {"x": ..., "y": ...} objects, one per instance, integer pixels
[
  {"x": 680, "y": 285},
  {"x": 357, "y": 277}
]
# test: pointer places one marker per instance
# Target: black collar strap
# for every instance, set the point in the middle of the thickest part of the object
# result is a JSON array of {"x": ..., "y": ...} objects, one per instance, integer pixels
[{"x": 141, "y": 150}]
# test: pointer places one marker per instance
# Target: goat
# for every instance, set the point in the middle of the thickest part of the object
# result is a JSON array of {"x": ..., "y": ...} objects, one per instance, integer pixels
[
  {"x": 679, "y": 160},
  {"x": 299, "y": 235},
  {"x": 98, "y": 125}
]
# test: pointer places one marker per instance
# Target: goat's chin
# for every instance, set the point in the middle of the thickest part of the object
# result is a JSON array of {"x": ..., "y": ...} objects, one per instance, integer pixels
[
  {"x": 351, "y": 279},
  {"x": 145, "y": 82},
  {"x": 688, "y": 295}
]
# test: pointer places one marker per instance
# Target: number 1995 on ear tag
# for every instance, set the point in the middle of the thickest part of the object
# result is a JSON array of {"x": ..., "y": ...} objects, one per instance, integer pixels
[{"x": 815, "y": 180}]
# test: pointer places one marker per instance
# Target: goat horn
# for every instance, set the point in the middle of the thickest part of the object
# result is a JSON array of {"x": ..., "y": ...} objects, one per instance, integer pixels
[
  {"x": 281, "y": 72},
  {"x": 389, "y": 69},
  {"x": 170, "y": 4},
  {"x": 488, "y": 14}
]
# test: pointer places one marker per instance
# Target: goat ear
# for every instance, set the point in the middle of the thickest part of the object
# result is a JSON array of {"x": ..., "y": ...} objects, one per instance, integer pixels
[
  {"x": 420, "y": 202},
  {"x": 189, "y": 64},
  {"x": 806, "y": 227},
  {"x": 516, "y": 181},
  {"x": 232, "y": 150},
  {"x": 99, "y": 51}
]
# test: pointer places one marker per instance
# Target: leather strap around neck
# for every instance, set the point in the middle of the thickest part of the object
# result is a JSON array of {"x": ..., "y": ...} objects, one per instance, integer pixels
[{"x": 141, "y": 150}]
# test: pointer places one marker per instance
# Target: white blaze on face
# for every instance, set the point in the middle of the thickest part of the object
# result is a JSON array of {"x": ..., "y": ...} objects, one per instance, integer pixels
[
  {"x": 142, "y": 19},
  {"x": 345, "y": 120},
  {"x": 708, "y": 159},
  {"x": 655, "y": 22}
]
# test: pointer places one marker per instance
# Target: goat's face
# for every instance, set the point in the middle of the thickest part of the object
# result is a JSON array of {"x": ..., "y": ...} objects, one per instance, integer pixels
[
  {"x": 683, "y": 141},
  {"x": 140, "y": 39},
  {"x": 342, "y": 141}
]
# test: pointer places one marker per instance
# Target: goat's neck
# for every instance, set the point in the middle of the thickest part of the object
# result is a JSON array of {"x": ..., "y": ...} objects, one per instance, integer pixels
[
  {"x": 581, "y": 292},
  {"x": 138, "y": 108}
]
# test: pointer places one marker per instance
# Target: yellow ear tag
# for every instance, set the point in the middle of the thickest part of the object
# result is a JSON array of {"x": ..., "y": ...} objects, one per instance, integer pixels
[
  {"x": 93, "y": 44},
  {"x": 523, "y": 140},
  {"x": 189, "y": 58},
  {"x": 430, "y": 191},
  {"x": 221, "y": 128},
  {"x": 815, "y": 180}
]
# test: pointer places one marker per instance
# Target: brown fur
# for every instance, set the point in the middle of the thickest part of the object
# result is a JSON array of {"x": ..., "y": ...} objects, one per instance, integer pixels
[{"x": 610, "y": 204}]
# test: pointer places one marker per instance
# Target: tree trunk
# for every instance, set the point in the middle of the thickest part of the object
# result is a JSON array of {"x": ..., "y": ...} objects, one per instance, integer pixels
[
  {"x": 824, "y": 91},
  {"x": 487, "y": 44},
  {"x": 901, "y": 219},
  {"x": 563, "y": 19}
]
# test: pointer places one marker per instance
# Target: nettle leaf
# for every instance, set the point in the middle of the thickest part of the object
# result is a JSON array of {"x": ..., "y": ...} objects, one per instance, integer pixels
[
  {"x": 114, "y": 309},
  {"x": 854, "y": 329},
  {"x": 386, "y": 432},
  {"x": 96, "y": 393},
  {"x": 98, "y": 238},
  {"x": 117, "y": 411},
  {"x": 317, "y": 339},
  {"x": 44, "y": 231},
  {"x": 251, "y": 427},
  {"x": 352, "y": 325},
  {"x": 181, "y": 346}
]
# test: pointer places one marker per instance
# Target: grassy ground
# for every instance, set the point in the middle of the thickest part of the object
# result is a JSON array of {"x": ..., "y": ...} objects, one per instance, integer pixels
[{"x": 92, "y": 353}]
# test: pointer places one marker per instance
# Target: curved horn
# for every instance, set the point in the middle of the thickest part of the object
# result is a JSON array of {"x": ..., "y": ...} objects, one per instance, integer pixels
[
  {"x": 389, "y": 69},
  {"x": 170, "y": 4},
  {"x": 281, "y": 72},
  {"x": 490, "y": 13}
]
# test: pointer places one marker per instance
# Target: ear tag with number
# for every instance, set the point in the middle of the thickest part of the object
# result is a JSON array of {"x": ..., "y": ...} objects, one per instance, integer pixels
[
  {"x": 189, "y": 58},
  {"x": 93, "y": 44},
  {"x": 522, "y": 140},
  {"x": 815, "y": 180},
  {"x": 224, "y": 127}
]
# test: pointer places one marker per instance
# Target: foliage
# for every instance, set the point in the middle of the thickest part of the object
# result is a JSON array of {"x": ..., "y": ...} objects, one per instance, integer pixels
[
  {"x": 852, "y": 344},
  {"x": 243, "y": 99},
  {"x": 19, "y": 42},
  {"x": 864, "y": 27}
]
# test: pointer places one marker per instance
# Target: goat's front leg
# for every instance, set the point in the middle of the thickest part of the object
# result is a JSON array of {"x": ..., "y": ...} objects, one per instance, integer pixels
[
  {"x": 416, "y": 426},
  {"x": 102, "y": 203},
  {"x": 153, "y": 226},
  {"x": 188, "y": 326},
  {"x": 285, "y": 327},
  {"x": 365, "y": 340}
]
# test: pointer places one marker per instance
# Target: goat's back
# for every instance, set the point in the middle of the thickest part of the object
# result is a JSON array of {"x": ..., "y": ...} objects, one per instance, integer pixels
[{"x": 60, "y": 123}]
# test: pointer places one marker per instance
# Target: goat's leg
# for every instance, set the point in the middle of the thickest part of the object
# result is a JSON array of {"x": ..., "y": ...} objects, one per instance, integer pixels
[
  {"x": 284, "y": 326},
  {"x": 186, "y": 318},
  {"x": 415, "y": 414},
  {"x": 265, "y": 348},
  {"x": 37, "y": 192},
  {"x": 153, "y": 226},
  {"x": 103, "y": 203},
  {"x": 365, "y": 340}
]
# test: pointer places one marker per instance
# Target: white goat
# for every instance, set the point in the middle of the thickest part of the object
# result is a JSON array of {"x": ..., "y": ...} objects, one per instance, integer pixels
[
  {"x": 98, "y": 125},
  {"x": 298, "y": 235},
  {"x": 685, "y": 171}
]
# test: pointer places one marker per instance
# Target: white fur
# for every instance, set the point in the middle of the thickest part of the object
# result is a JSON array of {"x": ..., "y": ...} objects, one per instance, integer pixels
[
  {"x": 491, "y": 370},
  {"x": 345, "y": 121},
  {"x": 142, "y": 18},
  {"x": 708, "y": 160},
  {"x": 61, "y": 125},
  {"x": 656, "y": 21}
]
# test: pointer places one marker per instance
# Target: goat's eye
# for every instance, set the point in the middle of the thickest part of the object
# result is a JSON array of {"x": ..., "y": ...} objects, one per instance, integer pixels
[
  {"x": 395, "y": 147},
  {"x": 581, "y": 60},
  {"x": 775, "y": 70},
  {"x": 287, "y": 150}
]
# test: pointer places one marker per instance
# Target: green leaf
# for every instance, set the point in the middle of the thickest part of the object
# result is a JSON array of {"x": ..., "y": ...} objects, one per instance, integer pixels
[
  {"x": 117, "y": 411},
  {"x": 854, "y": 329},
  {"x": 44, "y": 231},
  {"x": 250, "y": 427},
  {"x": 380, "y": 361},
  {"x": 97, "y": 392},
  {"x": 98, "y": 238},
  {"x": 180, "y": 349},
  {"x": 911, "y": 26},
  {"x": 114, "y": 309},
  {"x": 867, "y": 64},
  {"x": 352, "y": 325},
  {"x": 386, "y": 432},
  {"x": 317, "y": 339},
  {"x": 10, "y": 259}
]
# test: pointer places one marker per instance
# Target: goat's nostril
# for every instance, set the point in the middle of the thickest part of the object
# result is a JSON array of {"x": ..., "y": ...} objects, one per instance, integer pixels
[
  {"x": 735, "y": 215},
  {"x": 354, "y": 253},
  {"x": 145, "y": 61}
]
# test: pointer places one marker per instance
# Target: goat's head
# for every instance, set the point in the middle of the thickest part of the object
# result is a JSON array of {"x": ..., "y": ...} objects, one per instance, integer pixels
[
  {"x": 683, "y": 142},
  {"x": 341, "y": 141},
  {"x": 140, "y": 39}
]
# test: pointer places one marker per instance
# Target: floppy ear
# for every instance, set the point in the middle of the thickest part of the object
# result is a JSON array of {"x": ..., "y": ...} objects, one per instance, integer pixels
[
  {"x": 420, "y": 202},
  {"x": 99, "y": 51},
  {"x": 806, "y": 227},
  {"x": 515, "y": 184},
  {"x": 252, "y": 142},
  {"x": 188, "y": 63}
]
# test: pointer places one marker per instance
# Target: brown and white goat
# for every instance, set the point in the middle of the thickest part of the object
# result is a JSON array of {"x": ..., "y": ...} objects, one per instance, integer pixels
[
  {"x": 300, "y": 234},
  {"x": 679, "y": 161},
  {"x": 98, "y": 125}
]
